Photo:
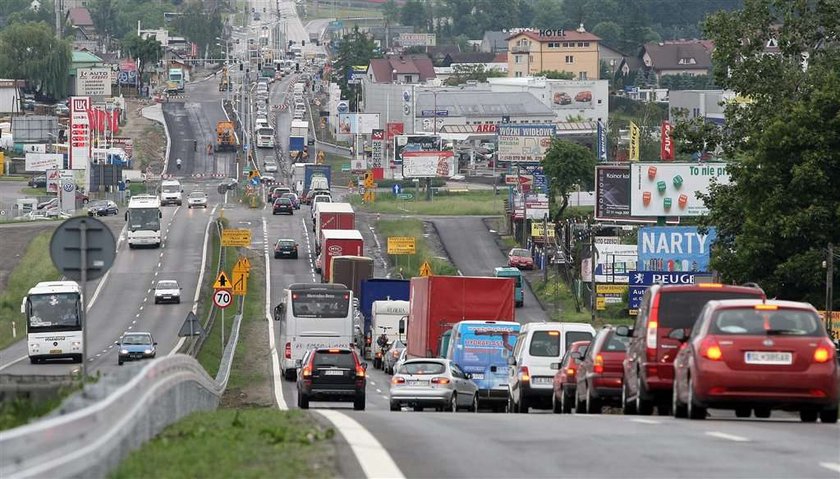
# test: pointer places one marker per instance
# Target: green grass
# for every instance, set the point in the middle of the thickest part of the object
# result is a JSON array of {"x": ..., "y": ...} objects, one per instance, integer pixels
[
  {"x": 247, "y": 443},
  {"x": 475, "y": 203},
  {"x": 33, "y": 191},
  {"x": 35, "y": 266},
  {"x": 411, "y": 263},
  {"x": 14, "y": 178},
  {"x": 20, "y": 411},
  {"x": 560, "y": 303},
  {"x": 240, "y": 374},
  {"x": 212, "y": 350}
]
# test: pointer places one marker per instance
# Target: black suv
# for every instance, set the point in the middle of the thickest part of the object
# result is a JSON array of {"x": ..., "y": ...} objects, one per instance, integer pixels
[
  {"x": 331, "y": 374},
  {"x": 283, "y": 205}
]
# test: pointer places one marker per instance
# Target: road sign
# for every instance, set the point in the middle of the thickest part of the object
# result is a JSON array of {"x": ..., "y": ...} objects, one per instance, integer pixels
[
  {"x": 396, "y": 189},
  {"x": 243, "y": 262},
  {"x": 240, "y": 280},
  {"x": 402, "y": 245},
  {"x": 641, "y": 280},
  {"x": 345, "y": 167},
  {"x": 222, "y": 281},
  {"x": 191, "y": 326},
  {"x": 524, "y": 180},
  {"x": 405, "y": 196},
  {"x": 369, "y": 197},
  {"x": 425, "y": 269},
  {"x": 222, "y": 298},
  {"x": 78, "y": 238},
  {"x": 236, "y": 237},
  {"x": 369, "y": 184}
]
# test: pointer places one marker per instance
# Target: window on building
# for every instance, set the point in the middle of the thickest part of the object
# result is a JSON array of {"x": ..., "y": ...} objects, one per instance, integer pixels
[
  {"x": 531, "y": 58},
  {"x": 582, "y": 76},
  {"x": 407, "y": 78},
  {"x": 517, "y": 74},
  {"x": 566, "y": 44},
  {"x": 580, "y": 44},
  {"x": 570, "y": 58},
  {"x": 586, "y": 44},
  {"x": 687, "y": 61},
  {"x": 695, "y": 112},
  {"x": 517, "y": 59}
]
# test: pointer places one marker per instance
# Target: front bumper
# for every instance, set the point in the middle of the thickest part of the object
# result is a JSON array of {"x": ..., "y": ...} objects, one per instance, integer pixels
[{"x": 167, "y": 298}]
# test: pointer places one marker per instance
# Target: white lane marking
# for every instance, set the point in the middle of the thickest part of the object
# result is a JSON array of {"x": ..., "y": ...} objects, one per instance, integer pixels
[
  {"x": 137, "y": 315},
  {"x": 373, "y": 458},
  {"x": 728, "y": 437},
  {"x": 384, "y": 397},
  {"x": 832, "y": 466},
  {"x": 13, "y": 362},
  {"x": 148, "y": 290},
  {"x": 122, "y": 236},
  {"x": 460, "y": 273},
  {"x": 379, "y": 391},
  {"x": 272, "y": 346},
  {"x": 645, "y": 421}
]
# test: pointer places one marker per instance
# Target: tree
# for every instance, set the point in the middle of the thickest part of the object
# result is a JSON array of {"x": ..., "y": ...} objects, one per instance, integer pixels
[
  {"x": 780, "y": 210},
  {"x": 147, "y": 51},
  {"x": 200, "y": 26},
  {"x": 104, "y": 15},
  {"x": 567, "y": 165},
  {"x": 609, "y": 31},
  {"x": 462, "y": 73},
  {"x": 413, "y": 14},
  {"x": 556, "y": 75},
  {"x": 550, "y": 14},
  {"x": 357, "y": 48},
  {"x": 391, "y": 12},
  {"x": 30, "y": 51}
]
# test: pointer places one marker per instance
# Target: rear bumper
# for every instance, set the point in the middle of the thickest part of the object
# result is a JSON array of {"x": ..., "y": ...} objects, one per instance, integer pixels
[
  {"x": 420, "y": 397},
  {"x": 333, "y": 391},
  {"x": 658, "y": 377},
  {"x": 721, "y": 386},
  {"x": 493, "y": 395}
]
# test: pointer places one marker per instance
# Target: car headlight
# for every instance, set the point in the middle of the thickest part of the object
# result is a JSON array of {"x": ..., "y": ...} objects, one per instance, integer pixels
[
  {"x": 148, "y": 351},
  {"x": 123, "y": 351}
]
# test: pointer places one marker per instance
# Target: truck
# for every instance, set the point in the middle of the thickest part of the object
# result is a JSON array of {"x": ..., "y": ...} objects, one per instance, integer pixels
[
  {"x": 178, "y": 77},
  {"x": 171, "y": 192},
  {"x": 380, "y": 289},
  {"x": 225, "y": 136},
  {"x": 337, "y": 243},
  {"x": 311, "y": 170},
  {"x": 439, "y": 302},
  {"x": 388, "y": 317},
  {"x": 297, "y": 138},
  {"x": 333, "y": 216},
  {"x": 351, "y": 271}
]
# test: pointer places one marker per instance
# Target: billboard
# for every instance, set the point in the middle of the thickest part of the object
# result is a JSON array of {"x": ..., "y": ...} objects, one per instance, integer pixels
[
  {"x": 674, "y": 248},
  {"x": 405, "y": 143},
  {"x": 93, "y": 82},
  {"x": 79, "y": 132},
  {"x": 535, "y": 207},
  {"x": 641, "y": 280},
  {"x": 357, "y": 123},
  {"x": 377, "y": 148},
  {"x": 524, "y": 143},
  {"x": 609, "y": 294},
  {"x": 568, "y": 97},
  {"x": 393, "y": 129},
  {"x": 666, "y": 142},
  {"x": 658, "y": 189},
  {"x": 417, "y": 39},
  {"x": 614, "y": 262},
  {"x": 44, "y": 161},
  {"x": 428, "y": 164}
]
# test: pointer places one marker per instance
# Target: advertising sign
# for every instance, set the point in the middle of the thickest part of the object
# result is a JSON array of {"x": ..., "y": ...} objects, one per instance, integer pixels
[
  {"x": 674, "y": 248},
  {"x": 524, "y": 143},
  {"x": 577, "y": 95},
  {"x": 635, "y": 136},
  {"x": 394, "y": 129},
  {"x": 414, "y": 143},
  {"x": 535, "y": 207},
  {"x": 67, "y": 195},
  {"x": 79, "y": 132},
  {"x": 666, "y": 147},
  {"x": 44, "y": 161},
  {"x": 537, "y": 230},
  {"x": 377, "y": 148},
  {"x": 417, "y": 39},
  {"x": 641, "y": 280},
  {"x": 658, "y": 189},
  {"x": 93, "y": 82},
  {"x": 609, "y": 294},
  {"x": 428, "y": 164},
  {"x": 614, "y": 262},
  {"x": 602, "y": 142},
  {"x": 357, "y": 123},
  {"x": 612, "y": 196}
]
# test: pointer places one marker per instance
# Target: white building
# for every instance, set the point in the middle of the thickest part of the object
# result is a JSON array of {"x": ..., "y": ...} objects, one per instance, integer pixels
[{"x": 572, "y": 101}]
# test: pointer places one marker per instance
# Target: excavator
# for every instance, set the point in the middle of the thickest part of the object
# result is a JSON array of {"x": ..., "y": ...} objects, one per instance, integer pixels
[{"x": 224, "y": 81}]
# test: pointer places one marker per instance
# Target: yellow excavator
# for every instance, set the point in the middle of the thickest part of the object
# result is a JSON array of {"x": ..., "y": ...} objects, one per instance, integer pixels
[{"x": 224, "y": 81}]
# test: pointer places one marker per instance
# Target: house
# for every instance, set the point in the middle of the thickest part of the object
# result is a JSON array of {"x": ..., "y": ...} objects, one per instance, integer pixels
[
  {"x": 468, "y": 58},
  {"x": 691, "y": 57},
  {"x": 495, "y": 42},
  {"x": 84, "y": 59},
  {"x": 575, "y": 51},
  {"x": 610, "y": 57},
  {"x": 401, "y": 69},
  {"x": 439, "y": 52},
  {"x": 80, "y": 25}
]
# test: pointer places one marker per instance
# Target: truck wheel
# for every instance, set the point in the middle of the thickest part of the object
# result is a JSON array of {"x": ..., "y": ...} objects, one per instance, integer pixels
[{"x": 395, "y": 406}]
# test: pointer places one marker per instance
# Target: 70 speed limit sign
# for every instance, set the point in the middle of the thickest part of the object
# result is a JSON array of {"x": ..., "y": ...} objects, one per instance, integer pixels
[{"x": 222, "y": 298}]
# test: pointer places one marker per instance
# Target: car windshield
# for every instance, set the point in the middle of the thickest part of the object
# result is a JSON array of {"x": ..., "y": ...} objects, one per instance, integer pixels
[
  {"x": 545, "y": 344},
  {"x": 197, "y": 194},
  {"x": 422, "y": 367},
  {"x": 137, "y": 339},
  {"x": 98, "y": 204},
  {"x": 753, "y": 322},
  {"x": 575, "y": 336},
  {"x": 520, "y": 252},
  {"x": 167, "y": 285},
  {"x": 679, "y": 309},
  {"x": 170, "y": 188},
  {"x": 339, "y": 359}
]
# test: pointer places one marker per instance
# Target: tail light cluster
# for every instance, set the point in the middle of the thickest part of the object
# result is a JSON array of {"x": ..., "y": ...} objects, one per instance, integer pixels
[
  {"x": 599, "y": 364},
  {"x": 398, "y": 380},
  {"x": 710, "y": 349},
  {"x": 360, "y": 371},
  {"x": 524, "y": 374},
  {"x": 824, "y": 352},
  {"x": 439, "y": 380},
  {"x": 652, "y": 329},
  {"x": 288, "y": 351},
  {"x": 570, "y": 372}
]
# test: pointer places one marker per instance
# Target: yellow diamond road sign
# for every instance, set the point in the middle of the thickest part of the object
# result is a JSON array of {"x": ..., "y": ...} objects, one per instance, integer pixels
[
  {"x": 236, "y": 237},
  {"x": 240, "y": 280},
  {"x": 222, "y": 281},
  {"x": 425, "y": 269},
  {"x": 402, "y": 245}
]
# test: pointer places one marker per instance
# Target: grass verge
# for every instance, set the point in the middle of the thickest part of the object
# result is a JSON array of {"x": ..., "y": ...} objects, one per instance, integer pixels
[
  {"x": 327, "y": 11},
  {"x": 471, "y": 203},
  {"x": 35, "y": 266},
  {"x": 29, "y": 191},
  {"x": 211, "y": 351},
  {"x": 20, "y": 411},
  {"x": 410, "y": 264},
  {"x": 560, "y": 304},
  {"x": 243, "y": 372},
  {"x": 242, "y": 443},
  {"x": 14, "y": 178}
]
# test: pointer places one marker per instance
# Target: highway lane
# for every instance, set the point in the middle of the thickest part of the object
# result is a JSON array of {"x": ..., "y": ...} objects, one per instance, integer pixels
[{"x": 473, "y": 250}]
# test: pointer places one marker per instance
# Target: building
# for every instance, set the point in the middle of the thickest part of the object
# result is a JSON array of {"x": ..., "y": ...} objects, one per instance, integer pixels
[
  {"x": 611, "y": 58},
  {"x": 575, "y": 51},
  {"x": 10, "y": 96},
  {"x": 470, "y": 58},
  {"x": 405, "y": 69},
  {"x": 80, "y": 25},
  {"x": 495, "y": 42},
  {"x": 690, "y": 57},
  {"x": 707, "y": 104},
  {"x": 572, "y": 101}
]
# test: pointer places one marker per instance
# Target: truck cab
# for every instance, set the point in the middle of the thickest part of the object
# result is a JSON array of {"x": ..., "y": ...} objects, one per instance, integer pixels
[
  {"x": 518, "y": 293},
  {"x": 385, "y": 326}
]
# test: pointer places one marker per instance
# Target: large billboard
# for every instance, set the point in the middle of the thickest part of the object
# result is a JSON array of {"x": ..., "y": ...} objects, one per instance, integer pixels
[
  {"x": 44, "y": 161},
  {"x": 93, "y": 82},
  {"x": 428, "y": 164},
  {"x": 417, "y": 39},
  {"x": 357, "y": 123},
  {"x": 579, "y": 98},
  {"x": 674, "y": 248},
  {"x": 524, "y": 143},
  {"x": 612, "y": 196},
  {"x": 660, "y": 189},
  {"x": 406, "y": 143}
]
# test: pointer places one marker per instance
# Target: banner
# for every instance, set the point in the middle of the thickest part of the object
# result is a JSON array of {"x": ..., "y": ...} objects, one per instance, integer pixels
[
  {"x": 357, "y": 123},
  {"x": 428, "y": 164},
  {"x": 659, "y": 189},
  {"x": 79, "y": 132},
  {"x": 377, "y": 147},
  {"x": 524, "y": 143},
  {"x": 666, "y": 147},
  {"x": 394, "y": 129},
  {"x": 93, "y": 82},
  {"x": 414, "y": 143},
  {"x": 602, "y": 143},
  {"x": 674, "y": 248},
  {"x": 634, "y": 142},
  {"x": 44, "y": 161}
]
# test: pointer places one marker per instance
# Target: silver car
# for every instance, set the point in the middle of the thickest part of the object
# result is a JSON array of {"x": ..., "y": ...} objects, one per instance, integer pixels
[
  {"x": 392, "y": 355},
  {"x": 433, "y": 382}
]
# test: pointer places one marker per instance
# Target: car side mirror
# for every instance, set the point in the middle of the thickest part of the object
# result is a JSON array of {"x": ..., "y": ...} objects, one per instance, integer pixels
[
  {"x": 679, "y": 334},
  {"x": 511, "y": 361},
  {"x": 278, "y": 312},
  {"x": 126, "y": 215},
  {"x": 402, "y": 325},
  {"x": 555, "y": 366},
  {"x": 577, "y": 355},
  {"x": 622, "y": 331},
  {"x": 160, "y": 214},
  {"x": 298, "y": 363},
  {"x": 155, "y": 344}
]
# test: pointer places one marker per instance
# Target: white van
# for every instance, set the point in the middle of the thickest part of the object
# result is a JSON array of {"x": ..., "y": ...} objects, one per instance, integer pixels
[
  {"x": 171, "y": 192},
  {"x": 385, "y": 324},
  {"x": 538, "y": 345}
]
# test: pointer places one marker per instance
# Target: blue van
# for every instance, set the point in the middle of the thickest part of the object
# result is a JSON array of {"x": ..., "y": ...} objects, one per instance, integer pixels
[
  {"x": 482, "y": 349},
  {"x": 518, "y": 294}
]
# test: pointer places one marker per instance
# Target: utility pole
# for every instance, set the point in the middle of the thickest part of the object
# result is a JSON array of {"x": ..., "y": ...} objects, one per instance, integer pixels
[
  {"x": 593, "y": 256},
  {"x": 545, "y": 248},
  {"x": 829, "y": 286}
]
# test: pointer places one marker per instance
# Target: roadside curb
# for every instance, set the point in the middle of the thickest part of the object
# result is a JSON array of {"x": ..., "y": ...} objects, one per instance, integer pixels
[{"x": 152, "y": 114}]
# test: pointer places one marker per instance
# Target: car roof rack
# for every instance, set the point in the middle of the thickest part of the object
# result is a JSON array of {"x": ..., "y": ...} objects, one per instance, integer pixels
[{"x": 751, "y": 284}]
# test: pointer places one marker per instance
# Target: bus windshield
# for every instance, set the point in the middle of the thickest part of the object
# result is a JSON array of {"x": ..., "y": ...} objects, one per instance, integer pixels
[
  {"x": 144, "y": 219},
  {"x": 265, "y": 132},
  {"x": 54, "y": 312},
  {"x": 320, "y": 304}
]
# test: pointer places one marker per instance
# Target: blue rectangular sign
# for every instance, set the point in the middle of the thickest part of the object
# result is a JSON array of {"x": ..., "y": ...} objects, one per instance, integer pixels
[
  {"x": 640, "y": 280},
  {"x": 674, "y": 248}
]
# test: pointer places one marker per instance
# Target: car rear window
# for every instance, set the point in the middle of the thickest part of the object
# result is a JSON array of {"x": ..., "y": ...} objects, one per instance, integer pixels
[
  {"x": 340, "y": 359},
  {"x": 521, "y": 252},
  {"x": 615, "y": 343},
  {"x": 752, "y": 322},
  {"x": 679, "y": 309},
  {"x": 423, "y": 367},
  {"x": 545, "y": 344},
  {"x": 575, "y": 336}
]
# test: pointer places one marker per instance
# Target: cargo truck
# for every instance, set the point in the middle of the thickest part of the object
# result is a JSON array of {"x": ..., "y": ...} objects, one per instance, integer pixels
[
  {"x": 297, "y": 138},
  {"x": 225, "y": 136},
  {"x": 351, "y": 271},
  {"x": 337, "y": 243},
  {"x": 378, "y": 289},
  {"x": 315, "y": 170},
  {"x": 332, "y": 216},
  {"x": 388, "y": 316},
  {"x": 439, "y": 302}
]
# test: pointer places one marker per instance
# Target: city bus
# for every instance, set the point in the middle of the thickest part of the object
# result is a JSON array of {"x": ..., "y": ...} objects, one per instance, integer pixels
[
  {"x": 53, "y": 312},
  {"x": 143, "y": 221},
  {"x": 265, "y": 137},
  {"x": 313, "y": 315}
]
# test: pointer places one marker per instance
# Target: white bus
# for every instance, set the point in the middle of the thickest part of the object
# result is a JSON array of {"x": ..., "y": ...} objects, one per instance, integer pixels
[
  {"x": 143, "y": 221},
  {"x": 265, "y": 137},
  {"x": 53, "y": 312},
  {"x": 313, "y": 315}
]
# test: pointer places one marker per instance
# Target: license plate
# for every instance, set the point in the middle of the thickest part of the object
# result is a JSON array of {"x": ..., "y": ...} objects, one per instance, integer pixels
[
  {"x": 417, "y": 383},
  {"x": 543, "y": 380},
  {"x": 55, "y": 351},
  {"x": 478, "y": 376},
  {"x": 333, "y": 373},
  {"x": 768, "y": 357}
]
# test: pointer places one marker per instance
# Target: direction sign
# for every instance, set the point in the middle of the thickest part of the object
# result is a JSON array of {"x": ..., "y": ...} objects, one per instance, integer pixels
[
  {"x": 240, "y": 280},
  {"x": 222, "y": 298},
  {"x": 222, "y": 281},
  {"x": 236, "y": 237},
  {"x": 405, "y": 196},
  {"x": 396, "y": 188},
  {"x": 425, "y": 269},
  {"x": 402, "y": 245}
]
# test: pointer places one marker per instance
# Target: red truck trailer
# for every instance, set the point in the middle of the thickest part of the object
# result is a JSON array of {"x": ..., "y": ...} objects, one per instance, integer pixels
[
  {"x": 438, "y": 302},
  {"x": 338, "y": 243},
  {"x": 332, "y": 216}
]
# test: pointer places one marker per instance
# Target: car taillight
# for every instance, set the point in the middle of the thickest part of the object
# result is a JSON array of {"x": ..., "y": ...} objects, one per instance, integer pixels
[
  {"x": 307, "y": 372},
  {"x": 397, "y": 380},
  {"x": 288, "y": 352},
  {"x": 360, "y": 371},
  {"x": 395, "y": 354},
  {"x": 570, "y": 371},
  {"x": 652, "y": 329},
  {"x": 440, "y": 380},
  {"x": 524, "y": 374},
  {"x": 599, "y": 364},
  {"x": 824, "y": 352},
  {"x": 368, "y": 340},
  {"x": 379, "y": 354},
  {"x": 709, "y": 349}
]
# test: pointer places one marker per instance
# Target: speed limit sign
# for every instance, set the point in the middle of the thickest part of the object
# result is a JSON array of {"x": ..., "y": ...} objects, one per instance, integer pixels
[{"x": 222, "y": 298}]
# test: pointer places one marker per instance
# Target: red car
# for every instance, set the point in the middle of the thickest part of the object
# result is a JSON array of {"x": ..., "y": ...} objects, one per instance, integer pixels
[
  {"x": 755, "y": 356},
  {"x": 565, "y": 381},
  {"x": 520, "y": 258},
  {"x": 600, "y": 373}
]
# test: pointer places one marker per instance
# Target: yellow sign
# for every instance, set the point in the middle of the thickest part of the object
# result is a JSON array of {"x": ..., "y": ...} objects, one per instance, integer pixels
[
  {"x": 243, "y": 263},
  {"x": 2, "y": 163},
  {"x": 634, "y": 142},
  {"x": 222, "y": 281},
  {"x": 609, "y": 294},
  {"x": 236, "y": 237},
  {"x": 369, "y": 197},
  {"x": 425, "y": 269},
  {"x": 835, "y": 320},
  {"x": 402, "y": 245},
  {"x": 240, "y": 280},
  {"x": 369, "y": 184},
  {"x": 537, "y": 229}
]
